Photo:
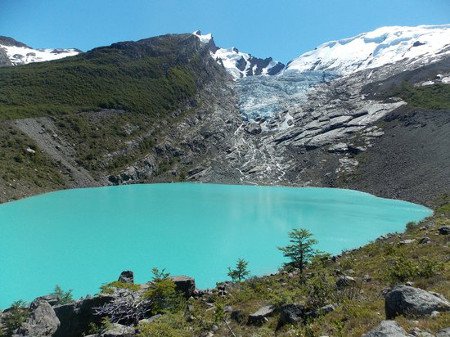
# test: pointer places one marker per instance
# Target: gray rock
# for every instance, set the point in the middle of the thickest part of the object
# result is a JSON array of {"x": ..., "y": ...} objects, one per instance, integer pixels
[
  {"x": 345, "y": 281},
  {"x": 126, "y": 276},
  {"x": 413, "y": 302},
  {"x": 407, "y": 241},
  {"x": 42, "y": 322},
  {"x": 419, "y": 333},
  {"x": 443, "y": 333},
  {"x": 184, "y": 284},
  {"x": 260, "y": 316},
  {"x": 387, "y": 329},
  {"x": 253, "y": 128},
  {"x": 291, "y": 313},
  {"x": 119, "y": 330},
  {"x": 424, "y": 240},
  {"x": 444, "y": 230}
]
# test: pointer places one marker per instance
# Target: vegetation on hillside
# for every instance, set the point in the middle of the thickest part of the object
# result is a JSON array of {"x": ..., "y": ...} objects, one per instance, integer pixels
[
  {"x": 24, "y": 172},
  {"x": 151, "y": 77},
  {"x": 436, "y": 96},
  {"x": 358, "y": 307}
]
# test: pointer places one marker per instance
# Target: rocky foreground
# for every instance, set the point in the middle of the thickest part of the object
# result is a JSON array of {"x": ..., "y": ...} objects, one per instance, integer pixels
[{"x": 396, "y": 286}]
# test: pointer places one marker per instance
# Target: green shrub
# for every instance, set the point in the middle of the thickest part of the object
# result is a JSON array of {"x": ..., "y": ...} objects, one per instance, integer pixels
[
  {"x": 110, "y": 287},
  {"x": 170, "y": 325},
  {"x": 320, "y": 289},
  {"x": 401, "y": 269},
  {"x": 13, "y": 319},
  {"x": 163, "y": 296},
  {"x": 63, "y": 297}
]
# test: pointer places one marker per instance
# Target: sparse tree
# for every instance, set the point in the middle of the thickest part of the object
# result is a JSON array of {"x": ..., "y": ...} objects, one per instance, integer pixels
[
  {"x": 63, "y": 297},
  {"x": 301, "y": 250},
  {"x": 159, "y": 275},
  {"x": 240, "y": 272}
]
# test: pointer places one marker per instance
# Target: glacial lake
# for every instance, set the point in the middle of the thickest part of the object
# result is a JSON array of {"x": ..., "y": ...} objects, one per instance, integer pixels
[{"x": 82, "y": 238}]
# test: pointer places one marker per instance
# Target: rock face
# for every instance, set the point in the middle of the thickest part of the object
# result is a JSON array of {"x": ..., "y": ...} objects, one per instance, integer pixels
[
  {"x": 126, "y": 276},
  {"x": 413, "y": 302},
  {"x": 387, "y": 329},
  {"x": 260, "y": 316},
  {"x": 184, "y": 284},
  {"x": 76, "y": 317},
  {"x": 42, "y": 322}
]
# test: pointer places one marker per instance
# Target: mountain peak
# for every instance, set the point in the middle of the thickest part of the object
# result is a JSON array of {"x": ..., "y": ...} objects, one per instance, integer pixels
[
  {"x": 240, "y": 64},
  {"x": 376, "y": 48}
]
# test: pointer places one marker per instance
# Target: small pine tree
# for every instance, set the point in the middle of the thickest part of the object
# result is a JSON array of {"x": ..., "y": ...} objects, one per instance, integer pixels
[
  {"x": 159, "y": 275},
  {"x": 240, "y": 272},
  {"x": 63, "y": 297},
  {"x": 300, "y": 251}
]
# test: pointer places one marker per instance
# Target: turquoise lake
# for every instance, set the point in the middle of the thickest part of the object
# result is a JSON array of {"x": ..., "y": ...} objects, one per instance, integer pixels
[{"x": 82, "y": 238}]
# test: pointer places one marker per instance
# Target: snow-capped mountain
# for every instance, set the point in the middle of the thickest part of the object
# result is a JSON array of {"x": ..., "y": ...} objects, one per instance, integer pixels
[
  {"x": 240, "y": 64},
  {"x": 19, "y": 53},
  {"x": 377, "y": 48}
]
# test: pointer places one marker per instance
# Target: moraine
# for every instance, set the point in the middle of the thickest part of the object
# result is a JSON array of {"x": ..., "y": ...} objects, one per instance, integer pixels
[{"x": 82, "y": 238}]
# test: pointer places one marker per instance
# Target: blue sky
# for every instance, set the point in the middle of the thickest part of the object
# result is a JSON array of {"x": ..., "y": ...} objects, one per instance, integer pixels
[{"x": 279, "y": 28}]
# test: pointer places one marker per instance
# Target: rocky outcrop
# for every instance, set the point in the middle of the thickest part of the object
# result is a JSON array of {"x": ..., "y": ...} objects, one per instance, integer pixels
[
  {"x": 444, "y": 230},
  {"x": 291, "y": 313},
  {"x": 387, "y": 329},
  {"x": 126, "y": 276},
  {"x": 42, "y": 321},
  {"x": 345, "y": 281},
  {"x": 259, "y": 317},
  {"x": 76, "y": 317},
  {"x": 184, "y": 285},
  {"x": 413, "y": 302}
]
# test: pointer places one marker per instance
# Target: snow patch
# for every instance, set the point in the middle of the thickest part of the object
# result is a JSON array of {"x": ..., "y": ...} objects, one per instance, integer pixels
[{"x": 25, "y": 55}]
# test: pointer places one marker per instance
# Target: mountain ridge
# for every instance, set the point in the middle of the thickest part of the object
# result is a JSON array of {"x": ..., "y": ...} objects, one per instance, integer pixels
[{"x": 95, "y": 113}]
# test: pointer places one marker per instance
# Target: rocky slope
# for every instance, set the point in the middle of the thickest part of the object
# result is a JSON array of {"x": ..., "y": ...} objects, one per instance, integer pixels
[{"x": 362, "y": 127}]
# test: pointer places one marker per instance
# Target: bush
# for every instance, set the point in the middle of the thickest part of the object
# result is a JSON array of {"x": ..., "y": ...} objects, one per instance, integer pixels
[
  {"x": 401, "y": 270},
  {"x": 169, "y": 325},
  {"x": 109, "y": 288},
  {"x": 63, "y": 297},
  {"x": 163, "y": 296},
  {"x": 320, "y": 289},
  {"x": 13, "y": 319}
]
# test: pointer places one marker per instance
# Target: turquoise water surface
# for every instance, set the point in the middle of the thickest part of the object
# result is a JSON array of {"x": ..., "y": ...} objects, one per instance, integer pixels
[{"x": 82, "y": 238}]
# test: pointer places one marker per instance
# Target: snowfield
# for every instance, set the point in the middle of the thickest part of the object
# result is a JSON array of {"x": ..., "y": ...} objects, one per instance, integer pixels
[{"x": 24, "y": 55}]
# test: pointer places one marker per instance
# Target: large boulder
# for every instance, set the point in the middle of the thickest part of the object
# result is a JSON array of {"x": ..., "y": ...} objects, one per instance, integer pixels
[
  {"x": 260, "y": 316},
  {"x": 76, "y": 317},
  {"x": 184, "y": 285},
  {"x": 413, "y": 302},
  {"x": 387, "y": 329},
  {"x": 42, "y": 321}
]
